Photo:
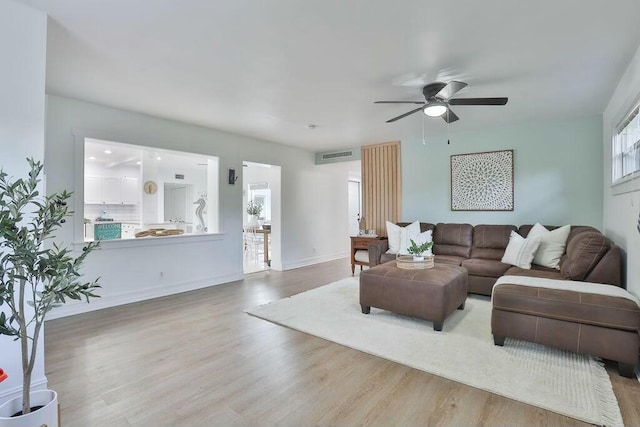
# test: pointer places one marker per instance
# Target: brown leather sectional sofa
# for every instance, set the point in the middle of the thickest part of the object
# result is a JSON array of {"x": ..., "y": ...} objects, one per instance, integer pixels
[
  {"x": 590, "y": 256},
  {"x": 574, "y": 318}
]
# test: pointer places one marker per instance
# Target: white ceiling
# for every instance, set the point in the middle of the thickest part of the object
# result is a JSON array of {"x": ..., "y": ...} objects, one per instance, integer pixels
[{"x": 267, "y": 69}]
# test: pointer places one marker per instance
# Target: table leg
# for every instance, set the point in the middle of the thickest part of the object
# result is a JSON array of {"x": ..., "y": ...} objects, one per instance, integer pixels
[{"x": 266, "y": 248}]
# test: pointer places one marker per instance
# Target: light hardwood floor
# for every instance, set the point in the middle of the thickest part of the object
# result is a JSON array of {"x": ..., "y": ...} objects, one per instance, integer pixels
[{"x": 197, "y": 359}]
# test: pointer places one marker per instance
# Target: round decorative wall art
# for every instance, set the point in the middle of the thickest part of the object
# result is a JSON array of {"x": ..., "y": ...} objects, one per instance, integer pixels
[{"x": 482, "y": 181}]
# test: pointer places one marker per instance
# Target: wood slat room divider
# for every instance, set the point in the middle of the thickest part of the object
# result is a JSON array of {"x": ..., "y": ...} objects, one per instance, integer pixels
[{"x": 381, "y": 185}]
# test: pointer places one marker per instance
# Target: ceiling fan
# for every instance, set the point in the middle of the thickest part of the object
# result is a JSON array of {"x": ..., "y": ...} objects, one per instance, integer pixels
[{"x": 438, "y": 99}]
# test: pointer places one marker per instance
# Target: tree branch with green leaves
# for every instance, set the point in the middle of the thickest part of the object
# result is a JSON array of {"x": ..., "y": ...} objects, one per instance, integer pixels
[{"x": 33, "y": 271}]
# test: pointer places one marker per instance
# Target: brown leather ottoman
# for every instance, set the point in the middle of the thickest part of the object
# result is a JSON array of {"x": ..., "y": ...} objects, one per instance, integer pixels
[
  {"x": 601, "y": 325},
  {"x": 430, "y": 294}
]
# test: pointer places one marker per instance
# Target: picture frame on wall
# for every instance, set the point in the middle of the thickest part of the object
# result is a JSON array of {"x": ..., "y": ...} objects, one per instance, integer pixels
[{"x": 482, "y": 181}]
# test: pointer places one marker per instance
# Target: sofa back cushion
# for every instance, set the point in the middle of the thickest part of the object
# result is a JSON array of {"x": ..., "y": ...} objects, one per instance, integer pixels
[
  {"x": 585, "y": 249},
  {"x": 424, "y": 226},
  {"x": 524, "y": 230},
  {"x": 490, "y": 241},
  {"x": 453, "y": 239}
]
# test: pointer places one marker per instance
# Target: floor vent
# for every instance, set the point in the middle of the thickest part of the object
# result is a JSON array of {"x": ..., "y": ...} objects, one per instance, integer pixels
[{"x": 346, "y": 155}]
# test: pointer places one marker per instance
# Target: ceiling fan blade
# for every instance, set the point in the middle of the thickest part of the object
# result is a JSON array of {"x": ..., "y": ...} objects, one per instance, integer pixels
[
  {"x": 399, "y": 102},
  {"x": 430, "y": 90},
  {"x": 478, "y": 101},
  {"x": 450, "y": 89},
  {"x": 450, "y": 116},
  {"x": 405, "y": 115}
]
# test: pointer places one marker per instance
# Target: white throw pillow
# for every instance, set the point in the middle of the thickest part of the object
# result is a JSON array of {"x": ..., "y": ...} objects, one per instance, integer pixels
[
  {"x": 399, "y": 237},
  {"x": 421, "y": 238},
  {"x": 520, "y": 251},
  {"x": 552, "y": 245}
]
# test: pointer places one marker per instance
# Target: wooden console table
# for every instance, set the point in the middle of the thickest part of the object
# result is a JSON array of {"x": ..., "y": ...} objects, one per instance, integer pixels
[{"x": 360, "y": 243}]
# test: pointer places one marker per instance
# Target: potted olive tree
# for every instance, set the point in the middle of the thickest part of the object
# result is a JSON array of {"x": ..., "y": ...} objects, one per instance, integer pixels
[{"x": 36, "y": 275}]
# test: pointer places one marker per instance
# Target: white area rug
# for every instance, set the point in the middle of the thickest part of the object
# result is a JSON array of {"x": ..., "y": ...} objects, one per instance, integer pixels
[{"x": 564, "y": 382}]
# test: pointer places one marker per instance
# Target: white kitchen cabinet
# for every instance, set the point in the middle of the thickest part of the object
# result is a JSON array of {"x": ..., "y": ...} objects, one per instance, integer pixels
[
  {"x": 129, "y": 190},
  {"x": 111, "y": 191},
  {"x": 92, "y": 189},
  {"x": 129, "y": 230}
]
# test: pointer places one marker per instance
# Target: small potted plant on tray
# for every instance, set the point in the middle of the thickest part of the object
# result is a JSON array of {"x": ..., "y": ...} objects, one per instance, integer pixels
[
  {"x": 418, "y": 250},
  {"x": 35, "y": 277}
]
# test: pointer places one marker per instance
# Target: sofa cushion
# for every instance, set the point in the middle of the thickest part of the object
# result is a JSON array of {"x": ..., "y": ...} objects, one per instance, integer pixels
[
  {"x": 424, "y": 226},
  {"x": 520, "y": 251},
  {"x": 387, "y": 257},
  {"x": 453, "y": 239},
  {"x": 485, "y": 267},
  {"x": 524, "y": 230},
  {"x": 568, "y": 305},
  {"x": 490, "y": 241},
  {"x": 578, "y": 229},
  {"x": 584, "y": 251},
  {"x": 449, "y": 259},
  {"x": 535, "y": 271},
  {"x": 552, "y": 245}
]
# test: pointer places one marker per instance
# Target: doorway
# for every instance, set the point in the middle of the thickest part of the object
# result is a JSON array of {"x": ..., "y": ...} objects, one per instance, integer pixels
[
  {"x": 261, "y": 217},
  {"x": 176, "y": 199},
  {"x": 355, "y": 206}
]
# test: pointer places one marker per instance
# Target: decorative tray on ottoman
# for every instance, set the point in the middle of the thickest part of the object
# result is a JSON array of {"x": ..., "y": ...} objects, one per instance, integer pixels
[{"x": 407, "y": 262}]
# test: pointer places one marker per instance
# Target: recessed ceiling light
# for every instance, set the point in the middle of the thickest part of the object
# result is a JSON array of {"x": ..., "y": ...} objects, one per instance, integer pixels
[
  {"x": 138, "y": 162},
  {"x": 158, "y": 158},
  {"x": 107, "y": 151},
  {"x": 92, "y": 158}
]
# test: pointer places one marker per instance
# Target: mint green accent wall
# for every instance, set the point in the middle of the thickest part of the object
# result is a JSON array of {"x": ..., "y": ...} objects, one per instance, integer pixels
[{"x": 557, "y": 173}]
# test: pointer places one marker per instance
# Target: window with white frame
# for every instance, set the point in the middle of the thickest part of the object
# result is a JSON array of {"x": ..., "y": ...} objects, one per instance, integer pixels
[{"x": 626, "y": 147}]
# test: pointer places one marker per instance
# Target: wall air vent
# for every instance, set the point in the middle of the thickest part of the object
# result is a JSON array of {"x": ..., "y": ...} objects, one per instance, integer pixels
[
  {"x": 345, "y": 155},
  {"x": 334, "y": 155}
]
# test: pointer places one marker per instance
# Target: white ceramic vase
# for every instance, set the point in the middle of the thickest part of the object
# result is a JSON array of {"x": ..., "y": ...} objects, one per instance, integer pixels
[
  {"x": 45, "y": 416},
  {"x": 254, "y": 222}
]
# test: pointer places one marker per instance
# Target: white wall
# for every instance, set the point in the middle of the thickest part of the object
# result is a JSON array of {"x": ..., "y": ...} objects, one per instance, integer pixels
[
  {"x": 322, "y": 205},
  {"x": 23, "y": 33},
  {"x": 312, "y": 203},
  {"x": 621, "y": 211}
]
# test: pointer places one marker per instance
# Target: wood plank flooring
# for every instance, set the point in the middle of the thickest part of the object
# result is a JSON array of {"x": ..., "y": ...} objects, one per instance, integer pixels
[{"x": 197, "y": 359}]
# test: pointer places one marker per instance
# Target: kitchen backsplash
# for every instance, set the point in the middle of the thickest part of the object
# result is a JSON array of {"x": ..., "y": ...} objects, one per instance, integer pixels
[{"x": 117, "y": 212}]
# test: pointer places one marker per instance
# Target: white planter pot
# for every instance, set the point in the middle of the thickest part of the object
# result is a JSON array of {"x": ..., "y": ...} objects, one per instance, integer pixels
[
  {"x": 47, "y": 415},
  {"x": 418, "y": 258},
  {"x": 253, "y": 222}
]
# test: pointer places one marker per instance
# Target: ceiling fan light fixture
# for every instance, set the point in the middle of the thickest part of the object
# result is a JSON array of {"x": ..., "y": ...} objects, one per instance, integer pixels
[{"x": 435, "y": 110}]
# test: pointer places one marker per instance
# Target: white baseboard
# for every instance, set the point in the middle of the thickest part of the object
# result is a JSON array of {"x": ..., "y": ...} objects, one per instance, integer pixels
[
  {"x": 304, "y": 262},
  {"x": 39, "y": 384},
  {"x": 174, "y": 288},
  {"x": 140, "y": 295}
]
